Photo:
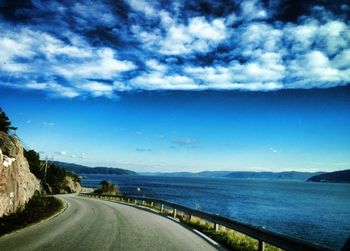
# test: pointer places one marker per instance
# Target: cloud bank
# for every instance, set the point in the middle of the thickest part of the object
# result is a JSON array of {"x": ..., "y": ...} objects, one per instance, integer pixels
[{"x": 98, "y": 49}]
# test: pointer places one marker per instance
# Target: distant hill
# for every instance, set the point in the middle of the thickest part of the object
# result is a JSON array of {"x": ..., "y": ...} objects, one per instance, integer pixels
[
  {"x": 80, "y": 169},
  {"x": 335, "y": 177},
  {"x": 292, "y": 175},
  {"x": 204, "y": 174}
]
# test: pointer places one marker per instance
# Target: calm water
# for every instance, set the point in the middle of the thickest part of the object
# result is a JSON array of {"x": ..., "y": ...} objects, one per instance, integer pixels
[{"x": 312, "y": 211}]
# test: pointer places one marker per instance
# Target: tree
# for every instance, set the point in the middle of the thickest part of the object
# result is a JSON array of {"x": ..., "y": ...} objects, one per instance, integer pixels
[
  {"x": 104, "y": 185},
  {"x": 34, "y": 162},
  {"x": 107, "y": 188},
  {"x": 5, "y": 123}
]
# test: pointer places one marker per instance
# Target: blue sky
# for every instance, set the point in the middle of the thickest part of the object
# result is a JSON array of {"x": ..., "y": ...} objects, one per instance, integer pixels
[
  {"x": 180, "y": 85},
  {"x": 176, "y": 131}
]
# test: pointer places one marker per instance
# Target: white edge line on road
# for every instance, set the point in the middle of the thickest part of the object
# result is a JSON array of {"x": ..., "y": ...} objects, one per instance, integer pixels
[
  {"x": 206, "y": 237},
  {"x": 174, "y": 219}
]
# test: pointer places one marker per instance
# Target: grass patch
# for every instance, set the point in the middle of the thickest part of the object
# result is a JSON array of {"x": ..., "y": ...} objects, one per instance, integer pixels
[
  {"x": 229, "y": 238},
  {"x": 38, "y": 208}
]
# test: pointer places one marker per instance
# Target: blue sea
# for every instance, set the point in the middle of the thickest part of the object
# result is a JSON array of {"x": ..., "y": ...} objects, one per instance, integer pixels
[{"x": 316, "y": 212}]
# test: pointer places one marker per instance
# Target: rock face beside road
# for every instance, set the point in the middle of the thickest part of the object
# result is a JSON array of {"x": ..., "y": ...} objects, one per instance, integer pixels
[
  {"x": 71, "y": 185},
  {"x": 17, "y": 183}
]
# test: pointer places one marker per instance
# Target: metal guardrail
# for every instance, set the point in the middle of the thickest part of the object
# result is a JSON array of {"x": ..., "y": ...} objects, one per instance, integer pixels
[{"x": 262, "y": 235}]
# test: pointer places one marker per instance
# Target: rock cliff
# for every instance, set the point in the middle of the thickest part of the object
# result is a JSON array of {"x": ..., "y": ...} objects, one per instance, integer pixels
[
  {"x": 17, "y": 183},
  {"x": 71, "y": 186}
]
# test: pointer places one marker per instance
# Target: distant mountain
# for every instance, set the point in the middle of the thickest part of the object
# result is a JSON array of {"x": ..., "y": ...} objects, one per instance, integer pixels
[
  {"x": 80, "y": 169},
  {"x": 292, "y": 175},
  {"x": 335, "y": 177},
  {"x": 204, "y": 174}
]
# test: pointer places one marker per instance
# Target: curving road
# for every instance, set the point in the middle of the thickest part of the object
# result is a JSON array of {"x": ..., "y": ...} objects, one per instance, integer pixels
[{"x": 91, "y": 224}]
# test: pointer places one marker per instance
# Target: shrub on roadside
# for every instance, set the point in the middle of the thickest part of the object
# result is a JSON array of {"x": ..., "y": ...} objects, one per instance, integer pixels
[
  {"x": 36, "y": 209},
  {"x": 107, "y": 188}
]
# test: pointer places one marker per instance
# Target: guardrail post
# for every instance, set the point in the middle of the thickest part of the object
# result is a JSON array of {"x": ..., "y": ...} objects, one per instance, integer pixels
[
  {"x": 261, "y": 246},
  {"x": 174, "y": 213},
  {"x": 128, "y": 200},
  {"x": 151, "y": 203},
  {"x": 161, "y": 208},
  {"x": 216, "y": 227},
  {"x": 143, "y": 202}
]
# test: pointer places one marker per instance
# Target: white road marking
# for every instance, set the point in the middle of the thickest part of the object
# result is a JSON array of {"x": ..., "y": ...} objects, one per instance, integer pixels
[
  {"x": 206, "y": 237},
  {"x": 174, "y": 219}
]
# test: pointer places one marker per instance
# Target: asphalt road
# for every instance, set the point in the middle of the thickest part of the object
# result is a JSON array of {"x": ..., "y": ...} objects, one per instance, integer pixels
[{"x": 91, "y": 224}]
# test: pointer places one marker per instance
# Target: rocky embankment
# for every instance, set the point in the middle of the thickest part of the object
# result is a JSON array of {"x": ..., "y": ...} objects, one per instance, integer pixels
[
  {"x": 71, "y": 185},
  {"x": 17, "y": 183}
]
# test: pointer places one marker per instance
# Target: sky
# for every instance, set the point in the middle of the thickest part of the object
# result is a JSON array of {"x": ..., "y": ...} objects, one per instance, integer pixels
[{"x": 180, "y": 85}]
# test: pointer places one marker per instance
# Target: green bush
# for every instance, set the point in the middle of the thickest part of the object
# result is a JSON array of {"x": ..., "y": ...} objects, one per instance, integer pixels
[
  {"x": 36, "y": 209},
  {"x": 107, "y": 188}
]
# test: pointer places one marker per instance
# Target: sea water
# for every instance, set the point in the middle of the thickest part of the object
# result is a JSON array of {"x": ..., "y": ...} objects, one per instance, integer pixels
[{"x": 316, "y": 212}]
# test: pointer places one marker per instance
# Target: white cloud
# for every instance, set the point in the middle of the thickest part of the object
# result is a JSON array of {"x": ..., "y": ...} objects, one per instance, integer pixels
[
  {"x": 211, "y": 75},
  {"x": 142, "y": 6},
  {"x": 256, "y": 72},
  {"x": 315, "y": 69},
  {"x": 240, "y": 51},
  {"x": 78, "y": 156},
  {"x": 157, "y": 80},
  {"x": 301, "y": 37},
  {"x": 342, "y": 60},
  {"x": 330, "y": 37},
  {"x": 216, "y": 30},
  {"x": 252, "y": 9},
  {"x": 155, "y": 65},
  {"x": 54, "y": 88},
  {"x": 61, "y": 153},
  {"x": 26, "y": 43},
  {"x": 256, "y": 38},
  {"x": 199, "y": 35},
  {"x": 37, "y": 86},
  {"x": 264, "y": 73},
  {"x": 80, "y": 61},
  {"x": 11, "y": 49},
  {"x": 98, "y": 89},
  {"x": 318, "y": 67},
  {"x": 335, "y": 35},
  {"x": 48, "y": 124},
  {"x": 99, "y": 12},
  {"x": 187, "y": 142},
  {"x": 273, "y": 150},
  {"x": 102, "y": 65}
]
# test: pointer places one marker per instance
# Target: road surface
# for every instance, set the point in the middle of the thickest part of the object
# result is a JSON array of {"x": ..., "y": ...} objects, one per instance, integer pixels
[{"x": 91, "y": 224}]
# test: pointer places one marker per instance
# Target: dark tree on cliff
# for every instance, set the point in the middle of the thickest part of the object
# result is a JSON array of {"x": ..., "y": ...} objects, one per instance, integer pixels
[
  {"x": 34, "y": 162},
  {"x": 5, "y": 123},
  {"x": 55, "y": 176}
]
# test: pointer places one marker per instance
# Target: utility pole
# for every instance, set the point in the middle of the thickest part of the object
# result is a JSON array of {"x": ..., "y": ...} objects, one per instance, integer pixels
[{"x": 45, "y": 166}]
